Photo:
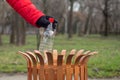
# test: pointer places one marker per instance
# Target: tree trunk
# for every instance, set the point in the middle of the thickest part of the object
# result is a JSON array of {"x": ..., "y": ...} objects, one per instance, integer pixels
[
  {"x": 38, "y": 38},
  {"x": 23, "y": 30},
  {"x": 80, "y": 29},
  {"x": 70, "y": 20},
  {"x": 87, "y": 26},
  {"x": 12, "y": 36},
  {"x": 0, "y": 39},
  {"x": 13, "y": 29},
  {"x": 20, "y": 35},
  {"x": 105, "y": 12},
  {"x": 18, "y": 31}
]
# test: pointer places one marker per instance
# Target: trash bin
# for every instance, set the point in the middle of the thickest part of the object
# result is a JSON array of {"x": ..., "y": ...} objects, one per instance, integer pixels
[{"x": 57, "y": 66}]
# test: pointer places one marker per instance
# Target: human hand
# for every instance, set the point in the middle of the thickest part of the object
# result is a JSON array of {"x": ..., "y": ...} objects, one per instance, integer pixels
[{"x": 44, "y": 22}]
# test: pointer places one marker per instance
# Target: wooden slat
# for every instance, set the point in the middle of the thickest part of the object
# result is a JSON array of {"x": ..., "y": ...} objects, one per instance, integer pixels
[
  {"x": 45, "y": 58},
  {"x": 50, "y": 71},
  {"x": 68, "y": 72},
  {"x": 82, "y": 72},
  {"x": 40, "y": 57},
  {"x": 83, "y": 65},
  {"x": 59, "y": 60},
  {"x": 69, "y": 59},
  {"x": 41, "y": 73},
  {"x": 63, "y": 52},
  {"x": 76, "y": 72},
  {"x": 86, "y": 52},
  {"x": 79, "y": 52},
  {"x": 55, "y": 54},
  {"x": 78, "y": 59},
  {"x": 40, "y": 67},
  {"x": 73, "y": 51},
  {"x": 33, "y": 57},
  {"x": 29, "y": 65},
  {"x": 50, "y": 58},
  {"x": 69, "y": 69},
  {"x": 34, "y": 70},
  {"x": 86, "y": 72},
  {"x": 60, "y": 68}
]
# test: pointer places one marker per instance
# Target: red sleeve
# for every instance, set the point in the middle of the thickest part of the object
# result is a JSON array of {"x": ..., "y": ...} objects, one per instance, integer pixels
[{"x": 27, "y": 10}]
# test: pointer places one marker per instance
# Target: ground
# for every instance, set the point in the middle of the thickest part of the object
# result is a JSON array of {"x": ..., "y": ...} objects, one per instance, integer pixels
[
  {"x": 23, "y": 76},
  {"x": 17, "y": 76}
]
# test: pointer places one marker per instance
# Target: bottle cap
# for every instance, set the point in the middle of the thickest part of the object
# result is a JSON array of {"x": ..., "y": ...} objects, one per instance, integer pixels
[{"x": 51, "y": 20}]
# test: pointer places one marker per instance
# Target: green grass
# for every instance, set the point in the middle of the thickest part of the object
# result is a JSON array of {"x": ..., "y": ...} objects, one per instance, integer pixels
[{"x": 105, "y": 64}]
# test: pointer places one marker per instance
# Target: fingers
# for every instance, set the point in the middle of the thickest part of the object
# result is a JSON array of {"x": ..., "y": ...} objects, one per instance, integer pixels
[{"x": 44, "y": 22}]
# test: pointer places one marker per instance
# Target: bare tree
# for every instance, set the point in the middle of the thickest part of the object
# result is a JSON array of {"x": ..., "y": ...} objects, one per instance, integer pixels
[
  {"x": 115, "y": 17},
  {"x": 13, "y": 27},
  {"x": 105, "y": 20},
  {"x": 0, "y": 23},
  {"x": 99, "y": 16},
  {"x": 3, "y": 17},
  {"x": 87, "y": 25},
  {"x": 70, "y": 19},
  {"x": 20, "y": 34},
  {"x": 106, "y": 12},
  {"x": 0, "y": 39}
]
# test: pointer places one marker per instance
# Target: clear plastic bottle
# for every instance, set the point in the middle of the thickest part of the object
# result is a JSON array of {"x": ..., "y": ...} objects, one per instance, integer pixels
[{"x": 47, "y": 39}]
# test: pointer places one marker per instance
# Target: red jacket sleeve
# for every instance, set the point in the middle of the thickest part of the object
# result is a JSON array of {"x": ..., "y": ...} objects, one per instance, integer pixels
[{"x": 27, "y": 10}]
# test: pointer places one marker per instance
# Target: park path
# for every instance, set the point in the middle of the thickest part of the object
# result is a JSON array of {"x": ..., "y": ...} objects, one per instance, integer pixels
[
  {"x": 17, "y": 76},
  {"x": 23, "y": 76}
]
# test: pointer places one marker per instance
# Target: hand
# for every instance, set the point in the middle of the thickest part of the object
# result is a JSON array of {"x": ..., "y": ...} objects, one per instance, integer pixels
[{"x": 44, "y": 22}]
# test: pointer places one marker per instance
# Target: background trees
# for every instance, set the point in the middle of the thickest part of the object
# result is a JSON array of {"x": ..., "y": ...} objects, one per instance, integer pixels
[{"x": 81, "y": 17}]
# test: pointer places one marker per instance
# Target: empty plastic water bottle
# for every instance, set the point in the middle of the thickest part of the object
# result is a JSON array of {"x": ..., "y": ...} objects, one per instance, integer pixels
[{"x": 47, "y": 39}]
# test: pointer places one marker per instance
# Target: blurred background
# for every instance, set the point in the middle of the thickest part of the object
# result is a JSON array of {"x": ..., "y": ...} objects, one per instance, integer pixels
[
  {"x": 93, "y": 24},
  {"x": 80, "y": 17}
]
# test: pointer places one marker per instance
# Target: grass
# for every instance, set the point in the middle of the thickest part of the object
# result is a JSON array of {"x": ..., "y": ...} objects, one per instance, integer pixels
[{"x": 105, "y": 64}]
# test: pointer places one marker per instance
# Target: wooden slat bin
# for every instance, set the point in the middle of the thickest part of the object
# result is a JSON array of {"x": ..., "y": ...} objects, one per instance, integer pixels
[{"x": 54, "y": 66}]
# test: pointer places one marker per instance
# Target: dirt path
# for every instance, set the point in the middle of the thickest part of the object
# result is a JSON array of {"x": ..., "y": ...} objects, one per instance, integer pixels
[
  {"x": 23, "y": 76},
  {"x": 14, "y": 76}
]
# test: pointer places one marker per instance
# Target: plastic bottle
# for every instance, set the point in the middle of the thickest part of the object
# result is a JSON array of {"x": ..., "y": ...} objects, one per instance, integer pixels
[{"x": 47, "y": 39}]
